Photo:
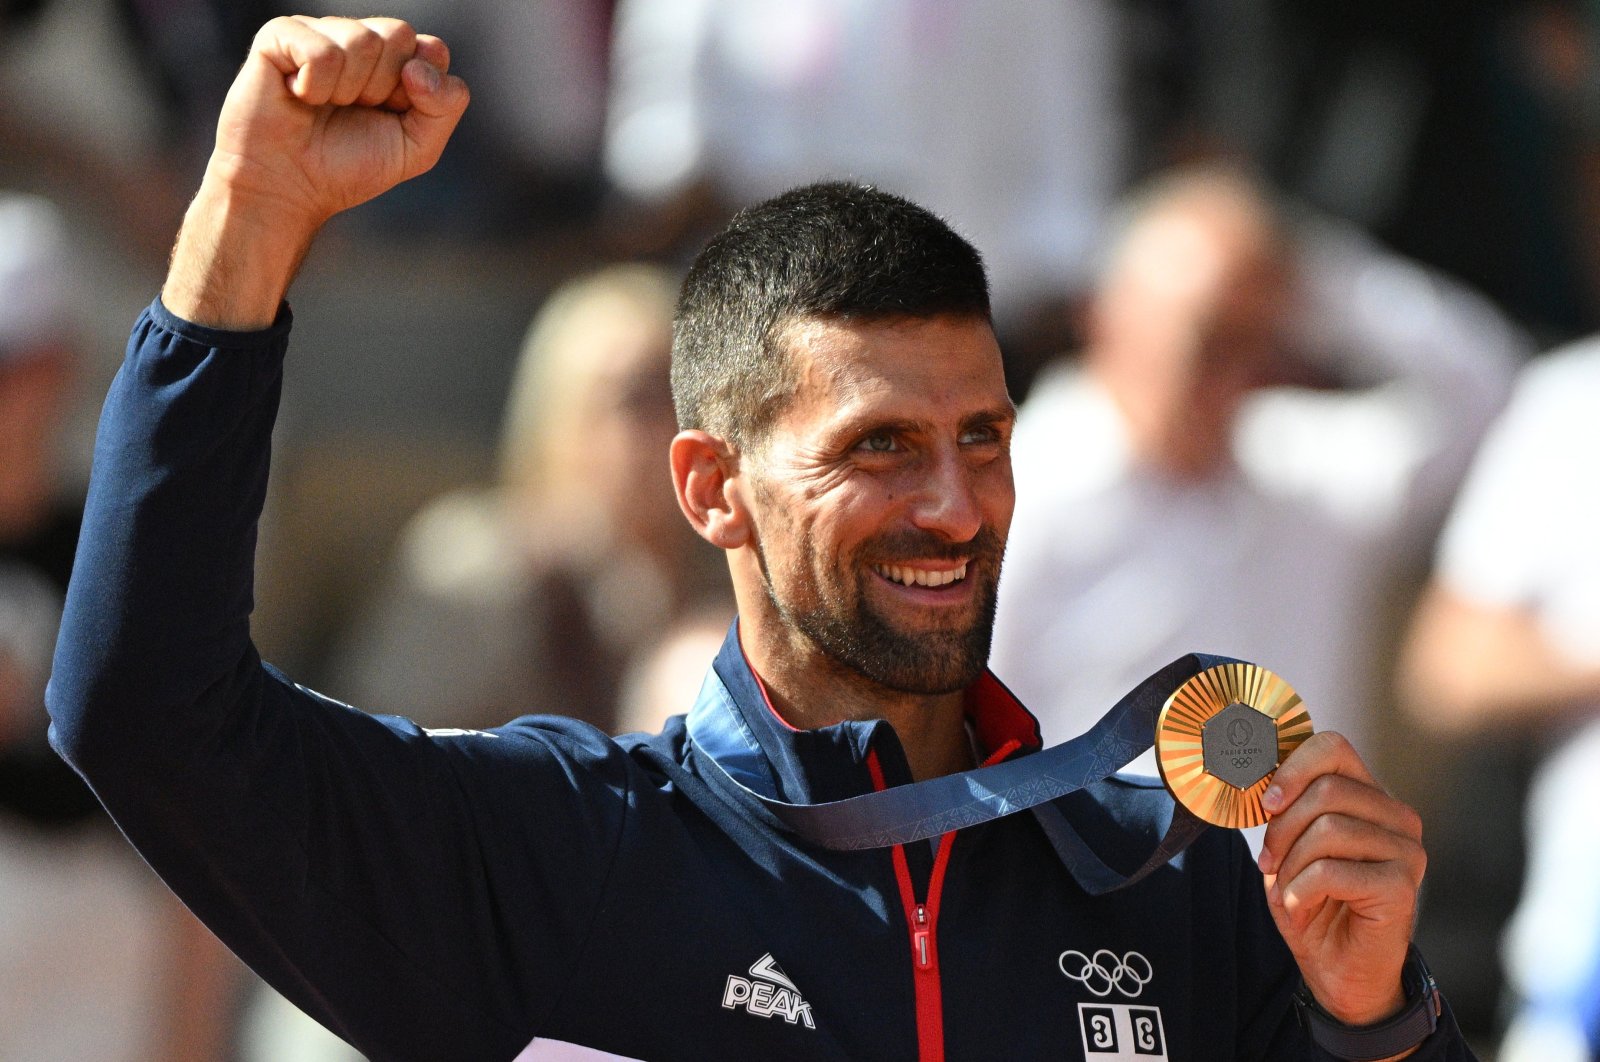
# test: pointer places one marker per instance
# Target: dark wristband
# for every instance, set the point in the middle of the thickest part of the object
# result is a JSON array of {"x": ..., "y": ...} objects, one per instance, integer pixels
[{"x": 1365, "y": 1043}]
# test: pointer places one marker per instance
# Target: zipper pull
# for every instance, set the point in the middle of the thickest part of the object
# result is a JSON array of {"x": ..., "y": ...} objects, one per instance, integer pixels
[{"x": 920, "y": 938}]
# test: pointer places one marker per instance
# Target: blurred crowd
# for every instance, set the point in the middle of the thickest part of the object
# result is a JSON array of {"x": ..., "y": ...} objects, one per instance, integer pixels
[{"x": 1300, "y": 302}]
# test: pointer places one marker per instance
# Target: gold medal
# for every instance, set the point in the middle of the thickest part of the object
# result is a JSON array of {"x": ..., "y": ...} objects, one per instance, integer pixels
[{"x": 1221, "y": 736}]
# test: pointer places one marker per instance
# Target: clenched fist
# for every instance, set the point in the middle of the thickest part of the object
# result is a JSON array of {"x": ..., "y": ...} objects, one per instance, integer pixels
[{"x": 325, "y": 114}]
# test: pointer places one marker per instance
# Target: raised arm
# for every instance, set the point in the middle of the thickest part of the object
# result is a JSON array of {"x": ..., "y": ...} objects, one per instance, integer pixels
[
  {"x": 1508, "y": 633},
  {"x": 415, "y": 892},
  {"x": 1423, "y": 365}
]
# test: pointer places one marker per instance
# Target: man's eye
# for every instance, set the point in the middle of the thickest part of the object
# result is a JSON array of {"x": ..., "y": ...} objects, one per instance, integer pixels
[
  {"x": 879, "y": 442},
  {"x": 980, "y": 436}
]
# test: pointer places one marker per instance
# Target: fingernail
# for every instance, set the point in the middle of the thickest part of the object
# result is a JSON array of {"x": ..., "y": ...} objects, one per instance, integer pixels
[
  {"x": 1274, "y": 895},
  {"x": 1272, "y": 799},
  {"x": 1267, "y": 861},
  {"x": 430, "y": 77}
]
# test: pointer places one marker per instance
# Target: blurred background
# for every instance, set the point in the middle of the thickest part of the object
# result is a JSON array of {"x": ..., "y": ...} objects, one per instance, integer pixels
[{"x": 1267, "y": 273}]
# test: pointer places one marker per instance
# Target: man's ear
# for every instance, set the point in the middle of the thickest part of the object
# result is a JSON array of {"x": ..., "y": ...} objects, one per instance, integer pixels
[{"x": 705, "y": 473}]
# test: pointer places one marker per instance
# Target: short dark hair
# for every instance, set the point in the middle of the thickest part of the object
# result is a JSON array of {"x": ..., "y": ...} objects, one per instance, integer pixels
[{"x": 828, "y": 250}]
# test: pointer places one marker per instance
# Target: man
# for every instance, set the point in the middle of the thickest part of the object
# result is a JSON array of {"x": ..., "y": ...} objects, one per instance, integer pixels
[
  {"x": 456, "y": 894},
  {"x": 1169, "y": 499}
]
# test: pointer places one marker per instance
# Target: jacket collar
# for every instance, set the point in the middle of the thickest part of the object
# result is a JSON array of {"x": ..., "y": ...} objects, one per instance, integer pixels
[{"x": 734, "y": 721}]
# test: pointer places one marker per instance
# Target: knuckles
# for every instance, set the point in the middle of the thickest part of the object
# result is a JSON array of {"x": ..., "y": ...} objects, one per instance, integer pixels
[
  {"x": 1325, "y": 746},
  {"x": 1411, "y": 821},
  {"x": 1323, "y": 791},
  {"x": 1324, "y": 830},
  {"x": 364, "y": 38},
  {"x": 393, "y": 31},
  {"x": 364, "y": 43},
  {"x": 272, "y": 30}
]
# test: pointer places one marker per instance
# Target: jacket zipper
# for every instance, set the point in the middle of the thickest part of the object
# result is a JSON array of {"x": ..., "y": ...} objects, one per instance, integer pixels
[{"x": 922, "y": 920}]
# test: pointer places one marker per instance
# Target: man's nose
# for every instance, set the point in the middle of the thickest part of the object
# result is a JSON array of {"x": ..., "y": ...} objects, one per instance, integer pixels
[{"x": 948, "y": 502}]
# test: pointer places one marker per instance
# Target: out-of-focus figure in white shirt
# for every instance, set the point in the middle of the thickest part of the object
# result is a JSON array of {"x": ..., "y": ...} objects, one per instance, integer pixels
[
  {"x": 1170, "y": 501},
  {"x": 1507, "y": 641}
]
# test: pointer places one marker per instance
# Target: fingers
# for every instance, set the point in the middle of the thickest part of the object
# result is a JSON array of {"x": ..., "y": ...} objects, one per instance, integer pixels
[
  {"x": 1321, "y": 754},
  {"x": 435, "y": 53},
  {"x": 1338, "y": 836},
  {"x": 327, "y": 113},
  {"x": 434, "y": 94},
  {"x": 437, "y": 103},
  {"x": 1343, "y": 862},
  {"x": 1343, "y": 898},
  {"x": 1338, "y": 848},
  {"x": 340, "y": 61},
  {"x": 1343, "y": 801},
  {"x": 1366, "y": 884}
]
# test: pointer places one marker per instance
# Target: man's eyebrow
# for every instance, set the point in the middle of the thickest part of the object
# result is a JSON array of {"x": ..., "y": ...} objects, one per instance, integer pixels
[
  {"x": 993, "y": 415},
  {"x": 868, "y": 423}
]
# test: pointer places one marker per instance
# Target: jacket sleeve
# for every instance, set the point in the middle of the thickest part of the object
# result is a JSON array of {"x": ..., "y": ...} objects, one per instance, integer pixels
[{"x": 421, "y": 894}]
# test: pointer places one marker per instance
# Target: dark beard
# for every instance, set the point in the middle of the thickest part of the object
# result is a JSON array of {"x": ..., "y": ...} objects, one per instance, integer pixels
[{"x": 923, "y": 662}]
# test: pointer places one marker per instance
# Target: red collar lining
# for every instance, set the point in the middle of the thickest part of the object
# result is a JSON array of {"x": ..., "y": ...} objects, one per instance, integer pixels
[{"x": 999, "y": 721}]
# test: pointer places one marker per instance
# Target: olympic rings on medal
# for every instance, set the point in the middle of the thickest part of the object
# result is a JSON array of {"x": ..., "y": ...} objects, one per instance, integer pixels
[{"x": 1104, "y": 971}]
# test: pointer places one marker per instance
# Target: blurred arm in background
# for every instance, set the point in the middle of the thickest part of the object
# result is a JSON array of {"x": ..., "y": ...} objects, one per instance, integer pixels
[{"x": 1506, "y": 644}]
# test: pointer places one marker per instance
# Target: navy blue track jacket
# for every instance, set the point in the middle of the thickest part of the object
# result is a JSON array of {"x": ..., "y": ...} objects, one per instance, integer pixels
[{"x": 455, "y": 895}]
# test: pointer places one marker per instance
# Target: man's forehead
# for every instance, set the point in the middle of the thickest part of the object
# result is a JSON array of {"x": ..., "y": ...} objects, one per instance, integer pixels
[
  {"x": 902, "y": 368},
  {"x": 839, "y": 348}
]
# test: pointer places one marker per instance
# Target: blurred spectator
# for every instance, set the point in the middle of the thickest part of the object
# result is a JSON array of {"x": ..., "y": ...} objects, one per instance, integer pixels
[
  {"x": 532, "y": 596},
  {"x": 38, "y": 516},
  {"x": 97, "y": 960},
  {"x": 1506, "y": 644},
  {"x": 37, "y": 524},
  {"x": 1006, "y": 119},
  {"x": 1168, "y": 502}
]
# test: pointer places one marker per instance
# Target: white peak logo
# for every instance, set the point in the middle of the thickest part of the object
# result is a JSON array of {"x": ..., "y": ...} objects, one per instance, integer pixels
[{"x": 767, "y": 992}]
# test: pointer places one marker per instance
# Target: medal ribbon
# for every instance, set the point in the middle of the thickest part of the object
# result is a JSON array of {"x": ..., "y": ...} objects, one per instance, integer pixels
[{"x": 906, "y": 813}]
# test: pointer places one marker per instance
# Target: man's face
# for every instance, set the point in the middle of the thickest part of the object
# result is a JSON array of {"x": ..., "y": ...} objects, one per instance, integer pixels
[
  {"x": 1189, "y": 324},
  {"x": 882, "y": 498}
]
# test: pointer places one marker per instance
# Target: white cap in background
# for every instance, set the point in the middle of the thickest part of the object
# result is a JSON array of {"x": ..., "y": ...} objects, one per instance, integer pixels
[{"x": 35, "y": 278}]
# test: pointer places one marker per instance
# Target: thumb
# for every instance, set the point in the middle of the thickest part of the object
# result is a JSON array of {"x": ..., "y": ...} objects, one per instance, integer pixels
[{"x": 437, "y": 102}]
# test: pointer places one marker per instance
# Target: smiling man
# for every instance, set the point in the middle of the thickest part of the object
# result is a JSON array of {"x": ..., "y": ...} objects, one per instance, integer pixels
[
  {"x": 545, "y": 890},
  {"x": 859, "y": 475}
]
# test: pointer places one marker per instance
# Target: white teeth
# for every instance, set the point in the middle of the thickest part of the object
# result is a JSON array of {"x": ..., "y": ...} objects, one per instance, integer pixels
[{"x": 920, "y": 576}]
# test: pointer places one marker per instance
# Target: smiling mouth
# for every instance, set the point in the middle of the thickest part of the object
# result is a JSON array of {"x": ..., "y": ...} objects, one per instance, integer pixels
[{"x": 908, "y": 576}]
